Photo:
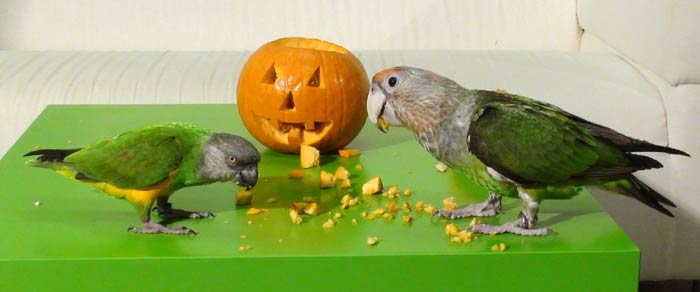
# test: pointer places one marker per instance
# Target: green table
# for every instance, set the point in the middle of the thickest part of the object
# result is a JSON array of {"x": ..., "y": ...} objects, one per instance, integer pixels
[{"x": 77, "y": 237}]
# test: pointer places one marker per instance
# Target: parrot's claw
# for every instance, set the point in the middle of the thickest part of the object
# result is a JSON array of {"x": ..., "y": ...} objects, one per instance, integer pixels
[
  {"x": 151, "y": 227},
  {"x": 509, "y": 228},
  {"x": 200, "y": 215},
  {"x": 525, "y": 225},
  {"x": 490, "y": 207},
  {"x": 171, "y": 213}
]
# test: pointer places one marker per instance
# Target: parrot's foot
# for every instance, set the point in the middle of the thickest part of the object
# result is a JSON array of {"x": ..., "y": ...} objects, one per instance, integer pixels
[
  {"x": 166, "y": 211},
  {"x": 523, "y": 226},
  {"x": 151, "y": 227},
  {"x": 509, "y": 228},
  {"x": 490, "y": 207}
]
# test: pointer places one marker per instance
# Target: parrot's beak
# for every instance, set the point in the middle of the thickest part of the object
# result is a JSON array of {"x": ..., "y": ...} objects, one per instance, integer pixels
[
  {"x": 376, "y": 103},
  {"x": 247, "y": 178}
]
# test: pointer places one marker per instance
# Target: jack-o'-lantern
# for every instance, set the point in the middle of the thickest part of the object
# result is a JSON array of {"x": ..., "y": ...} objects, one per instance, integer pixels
[{"x": 296, "y": 91}]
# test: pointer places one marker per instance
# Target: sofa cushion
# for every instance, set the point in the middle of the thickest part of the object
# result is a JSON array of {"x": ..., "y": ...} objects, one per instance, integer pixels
[
  {"x": 599, "y": 87},
  {"x": 245, "y": 25},
  {"x": 660, "y": 35}
]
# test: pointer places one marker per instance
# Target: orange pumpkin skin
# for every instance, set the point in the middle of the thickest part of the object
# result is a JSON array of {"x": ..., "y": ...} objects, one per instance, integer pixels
[{"x": 295, "y": 91}]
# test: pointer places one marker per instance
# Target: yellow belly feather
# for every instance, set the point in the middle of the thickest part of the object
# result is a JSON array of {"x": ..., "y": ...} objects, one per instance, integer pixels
[{"x": 137, "y": 196}]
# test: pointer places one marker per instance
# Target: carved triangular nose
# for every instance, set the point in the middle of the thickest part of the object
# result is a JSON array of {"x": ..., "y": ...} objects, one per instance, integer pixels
[{"x": 288, "y": 103}]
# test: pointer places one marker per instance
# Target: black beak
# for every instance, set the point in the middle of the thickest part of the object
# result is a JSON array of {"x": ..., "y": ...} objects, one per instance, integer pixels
[{"x": 247, "y": 178}]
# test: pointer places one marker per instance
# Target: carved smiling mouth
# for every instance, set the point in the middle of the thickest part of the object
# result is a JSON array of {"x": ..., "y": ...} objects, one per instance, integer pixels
[{"x": 292, "y": 133}]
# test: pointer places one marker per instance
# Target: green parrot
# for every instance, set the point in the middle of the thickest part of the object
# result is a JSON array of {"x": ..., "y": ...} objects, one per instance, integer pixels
[
  {"x": 511, "y": 145},
  {"x": 148, "y": 165}
]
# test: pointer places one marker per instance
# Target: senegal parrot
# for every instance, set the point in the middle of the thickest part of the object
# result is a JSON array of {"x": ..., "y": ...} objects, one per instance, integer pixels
[
  {"x": 511, "y": 145},
  {"x": 148, "y": 165}
]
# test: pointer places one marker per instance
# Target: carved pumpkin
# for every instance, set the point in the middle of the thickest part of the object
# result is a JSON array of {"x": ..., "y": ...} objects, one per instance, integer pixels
[{"x": 296, "y": 91}]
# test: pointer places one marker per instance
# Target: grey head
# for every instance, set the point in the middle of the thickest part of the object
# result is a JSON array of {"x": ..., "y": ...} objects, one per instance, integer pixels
[{"x": 227, "y": 157}]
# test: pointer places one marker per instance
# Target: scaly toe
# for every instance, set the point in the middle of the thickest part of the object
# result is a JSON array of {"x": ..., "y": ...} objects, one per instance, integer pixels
[
  {"x": 201, "y": 215},
  {"x": 509, "y": 228}
]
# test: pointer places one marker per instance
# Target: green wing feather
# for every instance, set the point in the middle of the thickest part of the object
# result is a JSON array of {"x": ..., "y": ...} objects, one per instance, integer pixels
[
  {"x": 534, "y": 142},
  {"x": 139, "y": 158}
]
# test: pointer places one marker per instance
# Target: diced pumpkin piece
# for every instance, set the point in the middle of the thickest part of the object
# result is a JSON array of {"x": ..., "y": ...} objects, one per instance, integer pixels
[
  {"x": 347, "y": 153},
  {"x": 419, "y": 206},
  {"x": 294, "y": 215},
  {"x": 296, "y": 174},
  {"x": 499, "y": 247},
  {"x": 342, "y": 173},
  {"x": 393, "y": 190},
  {"x": 344, "y": 184},
  {"x": 256, "y": 211},
  {"x": 450, "y": 203},
  {"x": 474, "y": 222},
  {"x": 393, "y": 207},
  {"x": 430, "y": 209},
  {"x": 309, "y": 156},
  {"x": 378, "y": 212},
  {"x": 243, "y": 197},
  {"x": 372, "y": 186},
  {"x": 328, "y": 224},
  {"x": 327, "y": 180},
  {"x": 441, "y": 167},
  {"x": 312, "y": 209},
  {"x": 348, "y": 201},
  {"x": 451, "y": 229}
]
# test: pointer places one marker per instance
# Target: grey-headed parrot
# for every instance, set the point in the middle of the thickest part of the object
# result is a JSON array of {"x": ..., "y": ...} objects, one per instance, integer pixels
[
  {"x": 512, "y": 145},
  {"x": 146, "y": 166}
]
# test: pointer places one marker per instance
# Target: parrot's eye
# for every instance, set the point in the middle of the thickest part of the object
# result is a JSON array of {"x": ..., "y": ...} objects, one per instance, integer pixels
[
  {"x": 392, "y": 81},
  {"x": 231, "y": 159}
]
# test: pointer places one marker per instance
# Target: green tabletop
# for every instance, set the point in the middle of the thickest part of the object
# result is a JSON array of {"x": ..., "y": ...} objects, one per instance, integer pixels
[{"x": 77, "y": 237}]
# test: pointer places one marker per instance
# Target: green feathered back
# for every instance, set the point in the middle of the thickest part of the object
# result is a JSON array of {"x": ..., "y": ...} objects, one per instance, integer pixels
[
  {"x": 139, "y": 158},
  {"x": 534, "y": 142}
]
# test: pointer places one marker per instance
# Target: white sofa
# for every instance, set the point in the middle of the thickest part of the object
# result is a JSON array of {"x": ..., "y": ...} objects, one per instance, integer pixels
[{"x": 633, "y": 66}]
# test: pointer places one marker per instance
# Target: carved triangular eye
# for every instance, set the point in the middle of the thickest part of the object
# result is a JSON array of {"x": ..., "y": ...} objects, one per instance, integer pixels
[
  {"x": 315, "y": 80},
  {"x": 288, "y": 103},
  {"x": 270, "y": 75}
]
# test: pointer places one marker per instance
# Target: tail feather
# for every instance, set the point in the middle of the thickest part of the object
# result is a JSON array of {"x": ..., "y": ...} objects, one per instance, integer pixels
[
  {"x": 643, "y": 146},
  {"x": 640, "y": 162},
  {"x": 633, "y": 187},
  {"x": 623, "y": 142},
  {"x": 50, "y": 156}
]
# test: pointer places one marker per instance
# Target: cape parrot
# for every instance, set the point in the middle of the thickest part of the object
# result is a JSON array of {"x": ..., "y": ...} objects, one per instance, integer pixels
[
  {"x": 148, "y": 165},
  {"x": 511, "y": 145}
]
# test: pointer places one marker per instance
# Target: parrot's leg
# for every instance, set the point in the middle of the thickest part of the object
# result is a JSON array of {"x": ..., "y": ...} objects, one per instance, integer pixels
[
  {"x": 150, "y": 227},
  {"x": 166, "y": 210},
  {"x": 490, "y": 207},
  {"x": 525, "y": 223}
]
